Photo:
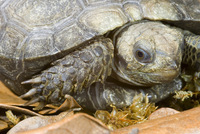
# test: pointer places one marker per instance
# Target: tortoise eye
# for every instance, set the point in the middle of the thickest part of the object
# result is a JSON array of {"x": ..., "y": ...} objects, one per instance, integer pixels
[{"x": 142, "y": 56}]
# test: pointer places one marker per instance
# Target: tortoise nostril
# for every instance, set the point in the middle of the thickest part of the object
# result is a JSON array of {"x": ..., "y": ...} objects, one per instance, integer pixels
[{"x": 174, "y": 65}]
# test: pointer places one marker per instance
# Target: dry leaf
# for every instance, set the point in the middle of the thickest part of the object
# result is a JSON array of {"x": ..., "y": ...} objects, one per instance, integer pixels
[
  {"x": 37, "y": 122},
  {"x": 9, "y": 98},
  {"x": 3, "y": 125},
  {"x": 69, "y": 104},
  {"x": 18, "y": 113},
  {"x": 19, "y": 109},
  {"x": 162, "y": 112},
  {"x": 77, "y": 124}
]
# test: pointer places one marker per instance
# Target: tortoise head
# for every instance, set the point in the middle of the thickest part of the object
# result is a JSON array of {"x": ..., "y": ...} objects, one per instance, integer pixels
[{"x": 147, "y": 53}]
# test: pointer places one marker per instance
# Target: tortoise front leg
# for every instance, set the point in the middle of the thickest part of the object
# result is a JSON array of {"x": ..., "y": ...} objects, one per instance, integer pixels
[{"x": 81, "y": 68}]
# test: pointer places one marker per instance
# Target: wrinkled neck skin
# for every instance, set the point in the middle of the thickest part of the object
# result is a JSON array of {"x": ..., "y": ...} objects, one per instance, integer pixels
[{"x": 147, "y": 53}]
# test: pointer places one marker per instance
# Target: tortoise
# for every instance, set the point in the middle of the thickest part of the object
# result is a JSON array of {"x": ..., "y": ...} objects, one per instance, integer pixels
[{"x": 52, "y": 48}]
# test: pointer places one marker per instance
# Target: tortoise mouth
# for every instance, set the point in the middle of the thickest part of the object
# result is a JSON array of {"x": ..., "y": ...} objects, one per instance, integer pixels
[
  {"x": 163, "y": 76},
  {"x": 146, "y": 78}
]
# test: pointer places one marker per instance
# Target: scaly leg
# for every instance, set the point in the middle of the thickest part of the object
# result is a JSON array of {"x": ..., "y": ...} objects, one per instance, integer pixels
[{"x": 79, "y": 69}]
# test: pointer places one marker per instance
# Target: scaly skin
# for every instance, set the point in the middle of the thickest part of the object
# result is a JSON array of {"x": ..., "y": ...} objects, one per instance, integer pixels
[
  {"x": 191, "y": 53},
  {"x": 75, "y": 71},
  {"x": 101, "y": 96}
]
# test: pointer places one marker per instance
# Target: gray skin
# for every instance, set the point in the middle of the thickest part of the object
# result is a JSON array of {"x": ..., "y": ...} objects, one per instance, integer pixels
[{"x": 60, "y": 43}]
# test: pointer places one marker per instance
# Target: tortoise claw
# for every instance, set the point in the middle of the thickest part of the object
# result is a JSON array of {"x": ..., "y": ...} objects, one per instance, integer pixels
[
  {"x": 32, "y": 101},
  {"x": 29, "y": 93},
  {"x": 34, "y": 80},
  {"x": 35, "y": 100}
]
